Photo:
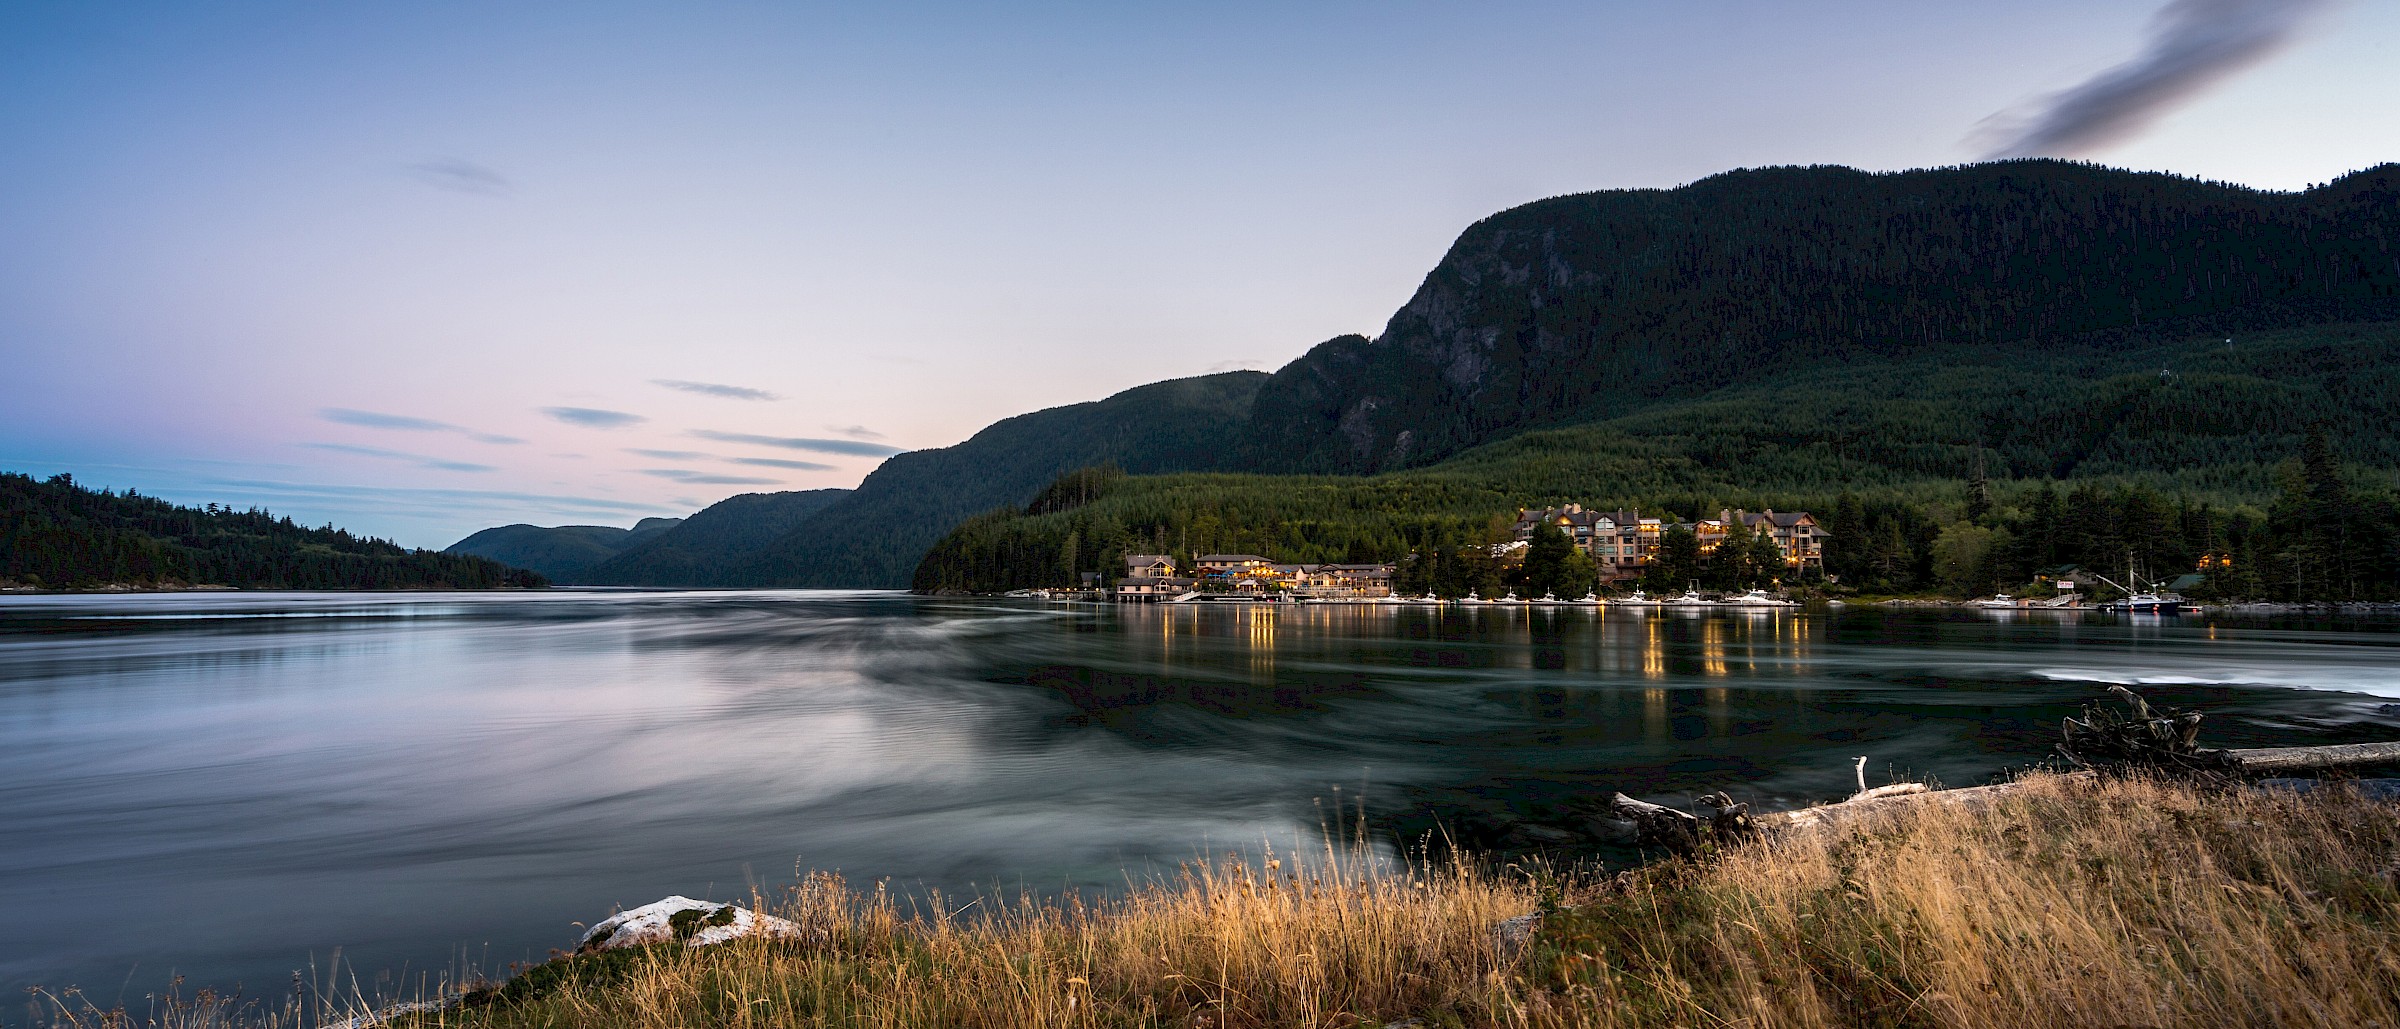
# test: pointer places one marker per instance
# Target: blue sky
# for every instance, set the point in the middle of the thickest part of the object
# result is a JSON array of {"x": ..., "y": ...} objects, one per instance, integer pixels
[{"x": 418, "y": 269}]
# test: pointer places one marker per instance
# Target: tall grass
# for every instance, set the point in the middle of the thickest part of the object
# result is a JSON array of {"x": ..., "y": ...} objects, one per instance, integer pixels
[{"x": 2064, "y": 902}]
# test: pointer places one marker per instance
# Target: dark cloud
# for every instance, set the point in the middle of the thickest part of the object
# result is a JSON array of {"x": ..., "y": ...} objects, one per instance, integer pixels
[
  {"x": 777, "y": 462},
  {"x": 594, "y": 418},
  {"x": 856, "y": 431},
  {"x": 850, "y": 447},
  {"x": 420, "y": 460},
  {"x": 457, "y": 176},
  {"x": 405, "y": 423},
  {"x": 716, "y": 389},
  {"x": 686, "y": 475},
  {"x": 2192, "y": 45}
]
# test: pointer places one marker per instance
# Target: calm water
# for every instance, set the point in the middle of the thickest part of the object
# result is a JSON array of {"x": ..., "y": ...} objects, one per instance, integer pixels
[{"x": 229, "y": 786}]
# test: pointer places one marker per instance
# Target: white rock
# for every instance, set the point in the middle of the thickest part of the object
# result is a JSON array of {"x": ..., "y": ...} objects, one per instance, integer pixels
[{"x": 714, "y": 924}]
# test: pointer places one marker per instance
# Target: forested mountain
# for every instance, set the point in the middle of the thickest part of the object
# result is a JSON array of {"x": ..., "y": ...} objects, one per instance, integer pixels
[
  {"x": 561, "y": 553},
  {"x": 57, "y": 534},
  {"x": 1591, "y": 307},
  {"x": 715, "y": 546},
  {"x": 875, "y": 536},
  {"x": 2208, "y": 436}
]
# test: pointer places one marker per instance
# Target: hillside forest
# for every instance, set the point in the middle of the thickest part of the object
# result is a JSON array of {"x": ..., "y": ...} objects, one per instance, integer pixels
[{"x": 60, "y": 535}]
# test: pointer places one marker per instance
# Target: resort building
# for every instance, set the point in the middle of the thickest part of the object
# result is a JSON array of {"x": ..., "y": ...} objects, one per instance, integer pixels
[{"x": 1622, "y": 542}]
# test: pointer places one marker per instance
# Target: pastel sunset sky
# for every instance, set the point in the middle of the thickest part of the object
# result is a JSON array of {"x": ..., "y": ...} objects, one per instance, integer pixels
[{"x": 418, "y": 269}]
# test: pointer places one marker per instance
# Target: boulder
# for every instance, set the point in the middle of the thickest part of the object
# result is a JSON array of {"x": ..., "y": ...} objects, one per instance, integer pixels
[{"x": 697, "y": 923}]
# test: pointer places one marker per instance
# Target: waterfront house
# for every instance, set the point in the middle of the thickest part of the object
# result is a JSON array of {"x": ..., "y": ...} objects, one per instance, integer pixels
[{"x": 1153, "y": 565}]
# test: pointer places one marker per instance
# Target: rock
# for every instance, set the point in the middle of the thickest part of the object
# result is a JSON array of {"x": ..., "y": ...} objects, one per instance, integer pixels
[
  {"x": 1515, "y": 934},
  {"x": 698, "y": 923}
]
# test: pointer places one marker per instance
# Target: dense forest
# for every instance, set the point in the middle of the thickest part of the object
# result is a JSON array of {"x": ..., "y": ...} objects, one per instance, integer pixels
[
  {"x": 2330, "y": 533},
  {"x": 2161, "y": 456},
  {"x": 57, "y": 534}
]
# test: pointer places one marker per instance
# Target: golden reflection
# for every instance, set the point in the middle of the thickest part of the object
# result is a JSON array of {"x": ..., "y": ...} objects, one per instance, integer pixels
[
  {"x": 1712, "y": 647},
  {"x": 1262, "y": 641},
  {"x": 1654, "y": 649}
]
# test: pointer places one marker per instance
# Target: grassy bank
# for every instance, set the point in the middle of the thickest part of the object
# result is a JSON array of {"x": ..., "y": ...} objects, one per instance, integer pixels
[{"x": 2066, "y": 903}]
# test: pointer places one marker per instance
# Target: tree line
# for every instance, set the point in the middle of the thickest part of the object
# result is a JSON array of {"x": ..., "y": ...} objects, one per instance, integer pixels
[
  {"x": 57, "y": 534},
  {"x": 2331, "y": 532}
]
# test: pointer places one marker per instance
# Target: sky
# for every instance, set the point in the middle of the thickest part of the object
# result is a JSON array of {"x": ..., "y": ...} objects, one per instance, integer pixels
[{"x": 418, "y": 269}]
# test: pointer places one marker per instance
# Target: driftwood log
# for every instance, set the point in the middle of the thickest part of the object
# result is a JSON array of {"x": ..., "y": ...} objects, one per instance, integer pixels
[
  {"x": 2103, "y": 741},
  {"x": 2340, "y": 757}
]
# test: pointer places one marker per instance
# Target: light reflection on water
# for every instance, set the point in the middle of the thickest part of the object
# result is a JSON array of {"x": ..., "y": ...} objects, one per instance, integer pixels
[{"x": 224, "y": 784}]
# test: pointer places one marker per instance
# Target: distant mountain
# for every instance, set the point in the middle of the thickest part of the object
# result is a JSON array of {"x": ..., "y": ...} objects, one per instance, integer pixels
[
  {"x": 1597, "y": 306},
  {"x": 715, "y": 546},
  {"x": 875, "y": 536},
  {"x": 562, "y": 553},
  {"x": 58, "y": 534}
]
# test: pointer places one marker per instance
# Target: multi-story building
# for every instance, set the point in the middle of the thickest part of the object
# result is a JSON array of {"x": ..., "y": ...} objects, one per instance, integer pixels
[
  {"x": 1150, "y": 578},
  {"x": 1619, "y": 542},
  {"x": 1622, "y": 542},
  {"x": 1796, "y": 532}
]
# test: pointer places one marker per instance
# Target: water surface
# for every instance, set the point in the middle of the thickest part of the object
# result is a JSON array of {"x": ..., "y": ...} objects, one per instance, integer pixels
[{"x": 231, "y": 786}]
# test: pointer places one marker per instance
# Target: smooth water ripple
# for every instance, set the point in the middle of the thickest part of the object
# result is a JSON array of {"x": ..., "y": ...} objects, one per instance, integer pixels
[{"x": 231, "y": 785}]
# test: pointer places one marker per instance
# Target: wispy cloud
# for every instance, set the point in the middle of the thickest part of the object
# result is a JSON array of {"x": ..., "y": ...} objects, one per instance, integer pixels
[
  {"x": 420, "y": 460},
  {"x": 461, "y": 176},
  {"x": 777, "y": 462},
  {"x": 686, "y": 475},
  {"x": 593, "y": 417},
  {"x": 855, "y": 431},
  {"x": 406, "y": 423},
  {"x": 854, "y": 448},
  {"x": 670, "y": 455},
  {"x": 716, "y": 389},
  {"x": 441, "y": 499},
  {"x": 2192, "y": 45}
]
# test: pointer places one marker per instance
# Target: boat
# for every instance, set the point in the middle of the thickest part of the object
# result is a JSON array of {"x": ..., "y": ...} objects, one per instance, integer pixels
[
  {"x": 1589, "y": 600},
  {"x": 1549, "y": 600},
  {"x": 2146, "y": 603},
  {"x": 1691, "y": 598},
  {"x": 2139, "y": 599},
  {"x": 1998, "y": 600},
  {"x": 1511, "y": 598},
  {"x": 1474, "y": 598},
  {"x": 1636, "y": 599},
  {"x": 1759, "y": 598}
]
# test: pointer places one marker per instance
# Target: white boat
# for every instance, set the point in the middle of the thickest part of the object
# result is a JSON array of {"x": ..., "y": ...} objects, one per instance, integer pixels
[
  {"x": 1589, "y": 600},
  {"x": 1474, "y": 598},
  {"x": 1511, "y": 598},
  {"x": 1637, "y": 599},
  {"x": 1691, "y": 598},
  {"x": 1759, "y": 598},
  {"x": 1998, "y": 601},
  {"x": 1549, "y": 599}
]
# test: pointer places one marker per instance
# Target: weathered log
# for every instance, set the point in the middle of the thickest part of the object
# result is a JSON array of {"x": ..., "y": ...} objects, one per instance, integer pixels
[
  {"x": 1678, "y": 831},
  {"x": 1832, "y": 815},
  {"x": 2335, "y": 758},
  {"x": 1898, "y": 789}
]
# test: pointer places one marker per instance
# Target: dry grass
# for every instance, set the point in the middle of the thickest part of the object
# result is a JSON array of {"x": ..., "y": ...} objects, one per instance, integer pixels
[{"x": 2068, "y": 903}]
